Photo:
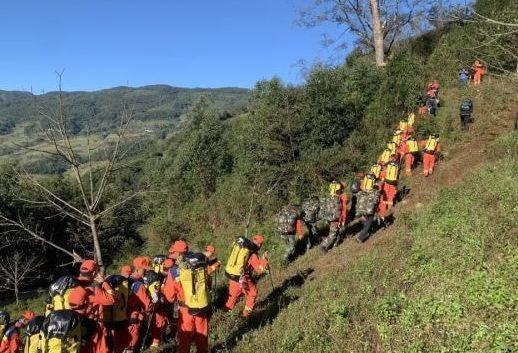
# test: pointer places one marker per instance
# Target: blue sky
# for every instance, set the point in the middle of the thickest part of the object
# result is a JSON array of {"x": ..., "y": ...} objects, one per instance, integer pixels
[{"x": 188, "y": 43}]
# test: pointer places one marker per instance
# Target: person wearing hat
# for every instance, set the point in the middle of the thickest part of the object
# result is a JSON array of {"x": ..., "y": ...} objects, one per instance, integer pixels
[
  {"x": 139, "y": 304},
  {"x": 177, "y": 249},
  {"x": 247, "y": 284},
  {"x": 10, "y": 341},
  {"x": 88, "y": 299}
]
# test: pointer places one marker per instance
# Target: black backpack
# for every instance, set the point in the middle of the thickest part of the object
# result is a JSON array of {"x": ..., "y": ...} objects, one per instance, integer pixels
[{"x": 466, "y": 107}]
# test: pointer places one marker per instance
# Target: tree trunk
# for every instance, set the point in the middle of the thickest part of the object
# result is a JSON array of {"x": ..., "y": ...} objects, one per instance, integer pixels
[
  {"x": 97, "y": 247},
  {"x": 377, "y": 34},
  {"x": 16, "y": 294}
]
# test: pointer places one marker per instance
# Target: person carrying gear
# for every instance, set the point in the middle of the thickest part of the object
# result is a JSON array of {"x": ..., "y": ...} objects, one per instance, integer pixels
[
  {"x": 355, "y": 188},
  {"x": 392, "y": 147},
  {"x": 431, "y": 105},
  {"x": 116, "y": 317},
  {"x": 243, "y": 280},
  {"x": 430, "y": 147},
  {"x": 464, "y": 75},
  {"x": 89, "y": 299},
  {"x": 389, "y": 188},
  {"x": 33, "y": 339},
  {"x": 478, "y": 72},
  {"x": 10, "y": 342},
  {"x": 289, "y": 225},
  {"x": 139, "y": 303},
  {"x": 410, "y": 149},
  {"x": 397, "y": 137},
  {"x": 311, "y": 227},
  {"x": 191, "y": 289},
  {"x": 422, "y": 106},
  {"x": 466, "y": 109},
  {"x": 334, "y": 211},
  {"x": 169, "y": 288},
  {"x": 158, "y": 317},
  {"x": 66, "y": 331},
  {"x": 368, "y": 201}
]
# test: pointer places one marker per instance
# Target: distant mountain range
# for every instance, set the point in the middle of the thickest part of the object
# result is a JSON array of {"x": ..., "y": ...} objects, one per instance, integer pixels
[{"x": 99, "y": 109}]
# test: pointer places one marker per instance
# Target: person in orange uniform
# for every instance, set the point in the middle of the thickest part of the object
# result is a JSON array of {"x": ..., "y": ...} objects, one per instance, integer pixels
[
  {"x": 11, "y": 341},
  {"x": 389, "y": 186},
  {"x": 88, "y": 299},
  {"x": 409, "y": 149},
  {"x": 478, "y": 72},
  {"x": 247, "y": 284},
  {"x": 139, "y": 304},
  {"x": 430, "y": 147},
  {"x": 192, "y": 326}
]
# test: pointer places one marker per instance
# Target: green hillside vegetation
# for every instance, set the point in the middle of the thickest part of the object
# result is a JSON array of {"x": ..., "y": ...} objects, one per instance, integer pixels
[{"x": 440, "y": 279}]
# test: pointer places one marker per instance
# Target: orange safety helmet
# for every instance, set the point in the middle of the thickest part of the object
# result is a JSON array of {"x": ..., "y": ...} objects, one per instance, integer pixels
[
  {"x": 168, "y": 263},
  {"x": 88, "y": 266},
  {"x": 179, "y": 246},
  {"x": 141, "y": 262},
  {"x": 28, "y": 315},
  {"x": 126, "y": 270},
  {"x": 258, "y": 239}
]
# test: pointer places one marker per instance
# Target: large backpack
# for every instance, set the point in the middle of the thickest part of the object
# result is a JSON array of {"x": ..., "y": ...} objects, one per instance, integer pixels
[
  {"x": 59, "y": 292},
  {"x": 195, "y": 282},
  {"x": 153, "y": 282},
  {"x": 63, "y": 332},
  {"x": 158, "y": 262},
  {"x": 33, "y": 335},
  {"x": 367, "y": 201},
  {"x": 466, "y": 107},
  {"x": 286, "y": 219},
  {"x": 412, "y": 145},
  {"x": 431, "y": 144},
  {"x": 241, "y": 250},
  {"x": 118, "y": 312},
  {"x": 331, "y": 208},
  {"x": 392, "y": 172},
  {"x": 310, "y": 209}
]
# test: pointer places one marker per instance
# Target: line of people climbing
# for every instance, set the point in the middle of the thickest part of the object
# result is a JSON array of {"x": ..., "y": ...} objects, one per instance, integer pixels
[
  {"x": 373, "y": 195},
  {"x": 169, "y": 297}
]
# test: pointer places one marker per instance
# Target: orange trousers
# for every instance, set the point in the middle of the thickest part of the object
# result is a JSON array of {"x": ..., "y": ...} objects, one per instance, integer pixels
[
  {"x": 409, "y": 162},
  {"x": 119, "y": 337},
  {"x": 389, "y": 192},
  {"x": 428, "y": 163},
  {"x": 235, "y": 290},
  {"x": 134, "y": 335},
  {"x": 158, "y": 325},
  {"x": 192, "y": 328}
]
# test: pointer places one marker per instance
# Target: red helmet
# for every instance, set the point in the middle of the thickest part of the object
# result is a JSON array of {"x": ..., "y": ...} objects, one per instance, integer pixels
[
  {"x": 179, "y": 246},
  {"x": 258, "y": 239}
]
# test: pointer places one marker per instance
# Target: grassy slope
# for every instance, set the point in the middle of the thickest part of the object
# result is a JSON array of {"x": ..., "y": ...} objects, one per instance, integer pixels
[{"x": 441, "y": 279}]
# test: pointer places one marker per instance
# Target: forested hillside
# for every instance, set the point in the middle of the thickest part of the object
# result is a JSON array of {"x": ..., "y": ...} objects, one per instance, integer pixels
[{"x": 438, "y": 280}]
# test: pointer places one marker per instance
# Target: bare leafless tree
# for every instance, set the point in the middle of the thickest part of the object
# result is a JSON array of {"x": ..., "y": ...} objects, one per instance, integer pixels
[
  {"x": 91, "y": 182},
  {"x": 376, "y": 24},
  {"x": 18, "y": 270}
]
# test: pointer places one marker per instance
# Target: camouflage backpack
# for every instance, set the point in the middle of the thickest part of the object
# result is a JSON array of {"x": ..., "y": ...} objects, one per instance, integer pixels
[
  {"x": 286, "y": 219},
  {"x": 330, "y": 209},
  {"x": 310, "y": 210},
  {"x": 367, "y": 202}
]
